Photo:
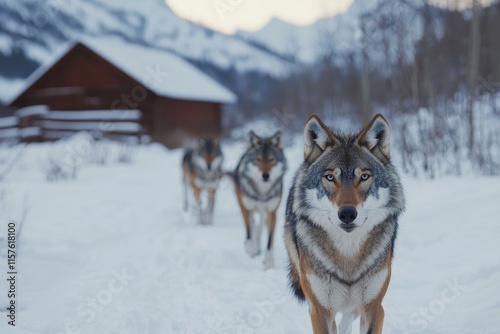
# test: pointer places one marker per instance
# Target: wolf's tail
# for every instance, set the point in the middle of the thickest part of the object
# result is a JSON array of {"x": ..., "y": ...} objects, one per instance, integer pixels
[{"x": 293, "y": 276}]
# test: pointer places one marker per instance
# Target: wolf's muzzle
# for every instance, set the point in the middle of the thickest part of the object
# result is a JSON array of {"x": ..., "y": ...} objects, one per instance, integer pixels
[{"x": 347, "y": 214}]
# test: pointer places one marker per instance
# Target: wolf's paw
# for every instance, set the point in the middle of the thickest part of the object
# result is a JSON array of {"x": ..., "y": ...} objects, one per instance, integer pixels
[
  {"x": 200, "y": 220},
  {"x": 268, "y": 260},
  {"x": 252, "y": 248},
  {"x": 207, "y": 220}
]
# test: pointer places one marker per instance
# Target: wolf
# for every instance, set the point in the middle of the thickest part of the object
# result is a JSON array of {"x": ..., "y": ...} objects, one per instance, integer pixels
[
  {"x": 341, "y": 224},
  {"x": 202, "y": 169},
  {"x": 258, "y": 182}
]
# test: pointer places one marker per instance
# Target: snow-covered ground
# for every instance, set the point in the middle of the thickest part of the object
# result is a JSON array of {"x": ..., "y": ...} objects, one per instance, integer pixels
[{"x": 112, "y": 252}]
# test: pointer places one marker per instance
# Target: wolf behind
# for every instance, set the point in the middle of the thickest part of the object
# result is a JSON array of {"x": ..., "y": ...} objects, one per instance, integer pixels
[
  {"x": 258, "y": 181},
  {"x": 202, "y": 168},
  {"x": 341, "y": 224}
]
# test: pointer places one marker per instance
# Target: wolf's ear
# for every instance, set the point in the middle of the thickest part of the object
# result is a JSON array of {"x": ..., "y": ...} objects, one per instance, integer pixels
[
  {"x": 317, "y": 136},
  {"x": 376, "y": 137},
  {"x": 277, "y": 140},
  {"x": 253, "y": 140}
]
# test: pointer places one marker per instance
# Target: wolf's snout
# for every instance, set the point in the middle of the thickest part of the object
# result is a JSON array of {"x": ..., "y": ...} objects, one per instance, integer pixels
[
  {"x": 265, "y": 176},
  {"x": 347, "y": 214},
  {"x": 209, "y": 166}
]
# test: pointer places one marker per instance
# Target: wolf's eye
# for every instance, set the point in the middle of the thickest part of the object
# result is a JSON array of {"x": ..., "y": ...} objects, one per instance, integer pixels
[
  {"x": 329, "y": 177},
  {"x": 365, "y": 176}
]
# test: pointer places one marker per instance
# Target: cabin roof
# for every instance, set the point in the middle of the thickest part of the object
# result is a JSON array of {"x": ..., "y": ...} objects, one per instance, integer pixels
[{"x": 162, "y": 72}]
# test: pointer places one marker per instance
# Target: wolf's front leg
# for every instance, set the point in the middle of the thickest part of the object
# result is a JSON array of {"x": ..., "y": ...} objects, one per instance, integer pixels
[
  {"x": 323, "y": 321},
  {"x": 372, "y": 319},
  {"x": 257, "y": 233},
  {"x": 245, "y": 213},
  {"x": 251, "y": 244},
  {"x": 185, "y": 195},
  {"x": 271, "y": 223},
  {"x": 209, "y": 215},
  {"x": 198, "y": 208}
]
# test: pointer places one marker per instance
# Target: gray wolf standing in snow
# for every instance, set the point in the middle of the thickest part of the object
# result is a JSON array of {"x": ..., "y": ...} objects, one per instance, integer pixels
[
  {"x": 202, "y": 167},
  {"x": 341, "y": 223},
  {"x": 258, "y": 181}
]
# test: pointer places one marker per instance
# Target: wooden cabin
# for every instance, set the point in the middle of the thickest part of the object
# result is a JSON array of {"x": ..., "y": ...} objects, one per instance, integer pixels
[{"x": 177, "y": 100}]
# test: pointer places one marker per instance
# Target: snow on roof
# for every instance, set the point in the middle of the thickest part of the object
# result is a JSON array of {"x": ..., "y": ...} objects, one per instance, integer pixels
[{"x": 162, "y": 72}]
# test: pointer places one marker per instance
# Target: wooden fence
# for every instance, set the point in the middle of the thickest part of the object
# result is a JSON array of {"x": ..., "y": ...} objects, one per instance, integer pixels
[{"x": 38, "y": 123}]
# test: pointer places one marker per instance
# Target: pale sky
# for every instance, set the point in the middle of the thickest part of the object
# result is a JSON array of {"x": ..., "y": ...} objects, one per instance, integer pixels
[{"x": 229, "y": 15}]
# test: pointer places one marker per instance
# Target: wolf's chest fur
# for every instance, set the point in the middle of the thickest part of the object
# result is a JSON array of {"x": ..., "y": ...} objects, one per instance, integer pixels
[
  {"x": 347, "y": 257},
  {"x": 334, "y": 295},
  {"x": 261, "y": 206},
  {"x": 259, "y": 195},
  {"x": 346, "y": 271},
  {"x": 207, "y": 181}
]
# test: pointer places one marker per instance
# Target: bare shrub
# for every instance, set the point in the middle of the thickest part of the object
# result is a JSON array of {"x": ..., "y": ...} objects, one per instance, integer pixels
[
  {"x": 434, "y": 142},
  {"x": 56, "y": 171},
  {"x": 65, "y": 157},
  {"x": 126, "y": 152},
  {"x": 99, "y": 153}
]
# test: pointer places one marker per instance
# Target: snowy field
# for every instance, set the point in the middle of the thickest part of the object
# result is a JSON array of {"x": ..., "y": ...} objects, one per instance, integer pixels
[{"x": 112, "y": 252}]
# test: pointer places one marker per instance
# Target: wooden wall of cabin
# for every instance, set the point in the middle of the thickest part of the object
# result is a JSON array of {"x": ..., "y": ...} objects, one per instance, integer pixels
[
  {"x": 177, "y": 122},
  {"x": 82, "y": 80}
]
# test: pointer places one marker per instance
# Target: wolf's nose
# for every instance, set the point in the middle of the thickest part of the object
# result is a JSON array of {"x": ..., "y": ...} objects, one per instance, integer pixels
[
  {"x": 347, "y": 214},
  {"x": 265, "y": 176},
  {"x": 209, "y": 166}
]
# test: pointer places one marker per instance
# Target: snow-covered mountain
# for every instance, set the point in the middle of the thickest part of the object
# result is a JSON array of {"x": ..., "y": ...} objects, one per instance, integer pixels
[
  {"x": 33, "y": 29},
  {"x": 343, "y": 33},
  {"x": 301, "y": 42}
]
